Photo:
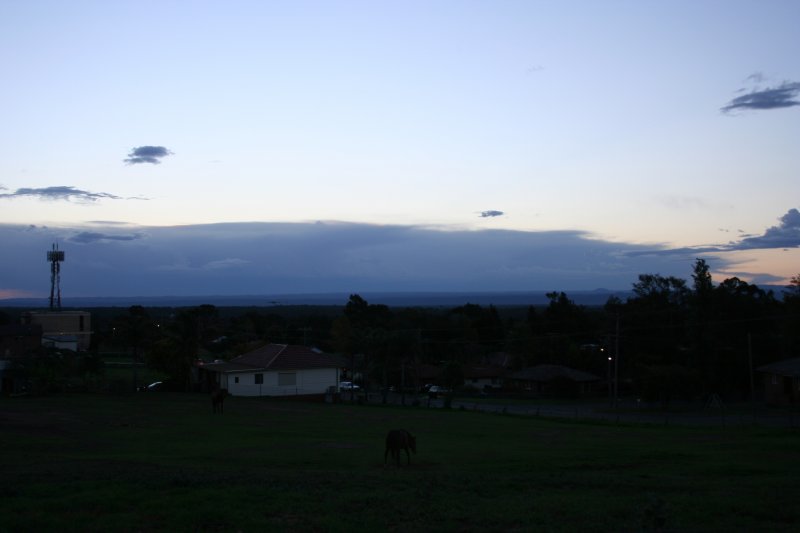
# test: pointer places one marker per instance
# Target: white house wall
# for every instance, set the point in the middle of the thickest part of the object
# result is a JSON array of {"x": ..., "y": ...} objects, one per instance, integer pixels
[{"x": 314, "y": 381}]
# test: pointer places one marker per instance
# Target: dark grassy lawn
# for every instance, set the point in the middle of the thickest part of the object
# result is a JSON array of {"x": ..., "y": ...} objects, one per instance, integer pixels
[{"x": 163, "y": 462}]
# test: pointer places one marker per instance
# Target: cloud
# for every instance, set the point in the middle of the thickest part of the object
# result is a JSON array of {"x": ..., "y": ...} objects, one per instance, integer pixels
[
  {"x": 227, "y": 263},
  {"x": 757, "y": 77},
  {"x": 86, "y": 237},
  {"x": 784, "y": 95},
  {"x": 330, "y": 257},
  {"x": 61, "y": 192},
  {"x": 682, "y": 202},
  {"x": 756, "y": 278},
  {"x": 338, "y": 257},
  {"x": 147, "y": 154},
  {"x": 784, "y": 235},
  {"x": 217, "y": 264},
  {"x": 491, "y": 213}
]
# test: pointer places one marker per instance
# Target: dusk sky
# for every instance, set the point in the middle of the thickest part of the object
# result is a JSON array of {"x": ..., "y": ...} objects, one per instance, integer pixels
[{"x": 248, "y": 147}]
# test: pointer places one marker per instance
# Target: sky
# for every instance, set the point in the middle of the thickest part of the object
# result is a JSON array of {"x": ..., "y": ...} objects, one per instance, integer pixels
[{"x": 248, "y": 147}]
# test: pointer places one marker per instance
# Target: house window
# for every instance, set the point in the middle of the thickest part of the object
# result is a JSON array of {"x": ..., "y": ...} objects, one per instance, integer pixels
[
  {"x": 287, "y": 379},
  {"x": 774, "y": 379},
  {"x": 236, "y": 379},
  {"x": 259, "y": 379}
]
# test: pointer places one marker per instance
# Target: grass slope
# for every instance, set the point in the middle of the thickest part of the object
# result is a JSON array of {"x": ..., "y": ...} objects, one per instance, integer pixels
[{"x": 163, "y": 462}]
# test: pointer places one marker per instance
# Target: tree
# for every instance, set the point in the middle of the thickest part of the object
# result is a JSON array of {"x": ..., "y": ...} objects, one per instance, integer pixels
[
  {"x": 175, "y": 353},
  {"x": 137, "y": 331},
  {"x": 702, "y": 277},
  {"x": 661, "y": 289},
  {"x": 655, "y": 321},
  {"x": 565, "y": 325}
]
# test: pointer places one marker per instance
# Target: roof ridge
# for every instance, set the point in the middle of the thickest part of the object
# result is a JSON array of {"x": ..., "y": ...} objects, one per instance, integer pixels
[{"x": 283, "y": 348}]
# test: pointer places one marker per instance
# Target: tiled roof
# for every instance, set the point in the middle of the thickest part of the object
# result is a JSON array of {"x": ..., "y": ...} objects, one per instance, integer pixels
[
  {"x": 550, "y": 372},
  {"x": 787, "y": 367},
  {"x": 478, "y": 372},
  {"x": 279, "y": 357}
]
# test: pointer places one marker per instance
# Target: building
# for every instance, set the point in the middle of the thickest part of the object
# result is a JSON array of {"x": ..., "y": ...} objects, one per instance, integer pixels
[
  {"x": 70, "y": 330},
  {"x": 782, "y": 382},
  {"x": 554, "y": 380},
  {"x": 276, "y": 370}
]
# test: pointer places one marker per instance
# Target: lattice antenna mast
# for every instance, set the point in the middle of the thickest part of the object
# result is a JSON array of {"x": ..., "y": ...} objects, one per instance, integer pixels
[{"x": 55, "y": 257}]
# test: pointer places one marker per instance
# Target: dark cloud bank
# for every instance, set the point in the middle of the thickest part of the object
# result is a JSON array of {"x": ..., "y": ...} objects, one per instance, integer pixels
[{"x": 277, "y": 258}]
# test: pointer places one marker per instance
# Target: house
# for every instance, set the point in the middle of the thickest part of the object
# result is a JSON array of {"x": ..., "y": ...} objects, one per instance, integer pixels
[
  {"x": 276, "y": 370},
  {"x": 782, "y": 382},
  {"x": 490, "y": 372},
  {"x": 484, "y": 377},
  {"x": 554, "y": 380}
]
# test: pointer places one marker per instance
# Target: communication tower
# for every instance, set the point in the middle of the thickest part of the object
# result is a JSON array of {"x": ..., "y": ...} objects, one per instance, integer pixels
[{"x": 55, "y": 257}]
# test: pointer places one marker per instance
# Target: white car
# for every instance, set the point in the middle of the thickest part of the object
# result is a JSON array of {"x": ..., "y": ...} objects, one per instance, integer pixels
[
  {"x": 348, "y": 385},
  {"x": 436, "y": 390}
]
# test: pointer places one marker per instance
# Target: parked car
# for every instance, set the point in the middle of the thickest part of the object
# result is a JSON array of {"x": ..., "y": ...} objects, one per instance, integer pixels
[
  {"x": 348, "y": 385},
  {"x": 436, "y": 390},
  {"x": 153, "y": 387}
]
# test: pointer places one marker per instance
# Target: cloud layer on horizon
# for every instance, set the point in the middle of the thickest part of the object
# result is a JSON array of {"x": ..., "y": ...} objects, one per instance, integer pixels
[{"x": 107, "y": 259}]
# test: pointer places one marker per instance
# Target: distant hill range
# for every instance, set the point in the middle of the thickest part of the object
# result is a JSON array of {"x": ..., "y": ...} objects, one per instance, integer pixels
[
  {"x": 392, "y": 299},
  {"x": 597, "y": 297}
]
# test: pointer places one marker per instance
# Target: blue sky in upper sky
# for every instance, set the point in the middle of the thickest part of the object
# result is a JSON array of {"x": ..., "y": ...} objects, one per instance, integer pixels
[{"x": 246, "y": 146}]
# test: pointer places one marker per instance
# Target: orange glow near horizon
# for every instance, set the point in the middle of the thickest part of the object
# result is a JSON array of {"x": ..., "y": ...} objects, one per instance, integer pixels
[
  {"x": 748, "y": 265},
  {"x": 7, "y": 294}
]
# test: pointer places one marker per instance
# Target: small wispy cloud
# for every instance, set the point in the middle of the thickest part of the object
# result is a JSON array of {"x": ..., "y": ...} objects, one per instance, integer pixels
[
  {"x": 86, "y": 237},
  {"x": 779, "y": 97},
  {"x": 147, "y": 154},
  {"x": 221, "y": 264},
  {"x": 213, "y": 265},
  {"x": 491, "y": 213},
  {"x": 63, "y": 192},
  {"x": 683, "y": 203}
]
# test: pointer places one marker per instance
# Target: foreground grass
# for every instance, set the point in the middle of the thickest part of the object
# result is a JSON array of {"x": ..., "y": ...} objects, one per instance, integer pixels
[{"x": 163, "y": 462}]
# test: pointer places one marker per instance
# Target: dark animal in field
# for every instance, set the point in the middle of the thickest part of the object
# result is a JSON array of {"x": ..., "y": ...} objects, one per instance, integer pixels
[
  {"x": 396, "y": 440},
  {"x": 218, "y": 399}
]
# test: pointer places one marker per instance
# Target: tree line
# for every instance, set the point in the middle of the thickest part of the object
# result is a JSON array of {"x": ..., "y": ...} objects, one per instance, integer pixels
[{"x": 672, "y": 339}]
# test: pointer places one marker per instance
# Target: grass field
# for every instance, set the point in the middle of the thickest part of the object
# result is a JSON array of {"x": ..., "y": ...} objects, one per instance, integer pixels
[{"x": 163, "y": 462}]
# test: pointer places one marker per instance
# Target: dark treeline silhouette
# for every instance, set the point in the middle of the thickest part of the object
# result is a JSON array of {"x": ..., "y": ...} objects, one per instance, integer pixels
[{"x": 672, "y": 339}]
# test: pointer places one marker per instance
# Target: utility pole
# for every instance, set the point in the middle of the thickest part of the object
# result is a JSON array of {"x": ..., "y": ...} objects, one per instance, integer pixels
[
  {"x": 616, "y": 364},
  {"x": 752, "y": 381}
]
